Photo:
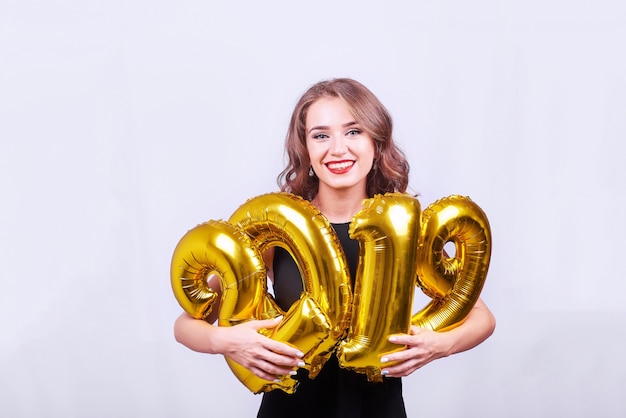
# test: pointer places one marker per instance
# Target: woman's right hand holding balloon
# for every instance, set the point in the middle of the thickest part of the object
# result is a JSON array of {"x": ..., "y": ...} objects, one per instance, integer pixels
[{"x": 267, "y": 358}]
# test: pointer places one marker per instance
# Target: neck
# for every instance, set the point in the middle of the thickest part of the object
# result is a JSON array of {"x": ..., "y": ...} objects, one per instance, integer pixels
[{"x": 337, "y": 206}]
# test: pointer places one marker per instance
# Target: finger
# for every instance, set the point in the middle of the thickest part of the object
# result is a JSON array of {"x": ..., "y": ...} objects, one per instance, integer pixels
[
  {"x": 415, "y": 330},
  {"x": 400, "y": 339},
  {"x": 282, "y": 349},
  {"x": 397, "y": 372},
  {"x": 394, "y": 357},
  {"x": 284, "y": 361},
  {"x": 266, "y": 323},
  {"x": 408, "y": 339},
  {"x": 263, "y": 374},
  {"x": 401, "y": 369},
  {"x": 271, "y": 369}
]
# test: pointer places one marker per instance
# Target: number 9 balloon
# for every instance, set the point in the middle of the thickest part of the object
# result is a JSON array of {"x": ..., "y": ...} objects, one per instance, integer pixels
[{"x": 454, "y": 283}]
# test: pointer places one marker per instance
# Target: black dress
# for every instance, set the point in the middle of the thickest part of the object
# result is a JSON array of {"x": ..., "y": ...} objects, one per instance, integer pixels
[{"x": 335, "y": 392}]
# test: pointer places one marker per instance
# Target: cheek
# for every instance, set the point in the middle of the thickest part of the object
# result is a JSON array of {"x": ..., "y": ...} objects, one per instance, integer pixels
[
  {"x": 370, "y": 150},
  {"x": 315, "y": 151}
]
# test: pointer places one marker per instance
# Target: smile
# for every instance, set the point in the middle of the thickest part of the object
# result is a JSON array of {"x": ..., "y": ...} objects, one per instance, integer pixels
[{"x": 339, "y": 166}]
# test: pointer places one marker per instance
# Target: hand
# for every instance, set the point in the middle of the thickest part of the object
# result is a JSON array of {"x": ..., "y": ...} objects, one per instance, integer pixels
[
  {"x": 266, "y": 358},
  {"x": 422, "y": 347}
]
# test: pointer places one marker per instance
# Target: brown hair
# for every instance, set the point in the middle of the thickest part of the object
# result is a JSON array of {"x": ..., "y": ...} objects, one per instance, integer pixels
[{"x": 391, "y": 169}]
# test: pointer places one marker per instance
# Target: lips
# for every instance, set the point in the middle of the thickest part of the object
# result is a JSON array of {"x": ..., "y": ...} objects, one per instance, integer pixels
[{"x": 340, "y": 167}]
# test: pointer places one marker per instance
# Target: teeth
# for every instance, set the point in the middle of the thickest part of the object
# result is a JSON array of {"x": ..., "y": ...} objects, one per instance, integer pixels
[{"x": 340, "y": 166}]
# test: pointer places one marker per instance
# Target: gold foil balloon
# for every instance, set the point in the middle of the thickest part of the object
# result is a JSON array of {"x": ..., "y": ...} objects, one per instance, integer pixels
[
  {"x": 387, "y": 230},
  {"x": 288, "y": 221},
  {"x": 217, "y": 247},
  {"x": 305, "y": 326},
  {"x": 397, "y": 245},
  {"x": 453, "y": 282}
]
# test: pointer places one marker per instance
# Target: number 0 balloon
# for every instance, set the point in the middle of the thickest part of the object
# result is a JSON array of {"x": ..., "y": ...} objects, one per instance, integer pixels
[{"x": 282, "y": 219}]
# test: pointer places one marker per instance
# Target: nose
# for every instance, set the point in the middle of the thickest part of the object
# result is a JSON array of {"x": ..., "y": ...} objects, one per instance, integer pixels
[{"x": 338, "y": 145}]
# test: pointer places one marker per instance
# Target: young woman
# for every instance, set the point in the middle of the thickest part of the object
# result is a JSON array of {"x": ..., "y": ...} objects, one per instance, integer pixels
[{"x": 341, "y": 151}]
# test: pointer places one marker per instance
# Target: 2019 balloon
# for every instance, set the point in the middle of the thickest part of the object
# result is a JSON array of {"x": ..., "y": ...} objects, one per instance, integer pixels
[{"x": 399, "y": 247}]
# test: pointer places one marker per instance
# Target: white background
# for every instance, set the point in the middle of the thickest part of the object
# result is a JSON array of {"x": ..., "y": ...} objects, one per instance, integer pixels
[{"x": 125, "y": 123}]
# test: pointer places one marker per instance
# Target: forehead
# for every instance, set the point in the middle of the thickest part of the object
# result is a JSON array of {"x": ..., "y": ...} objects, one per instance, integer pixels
[{"x": 329, "y": 111}]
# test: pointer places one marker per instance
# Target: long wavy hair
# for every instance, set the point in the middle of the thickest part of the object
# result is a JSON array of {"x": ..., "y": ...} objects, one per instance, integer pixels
[{"x": 390, "y": 171}]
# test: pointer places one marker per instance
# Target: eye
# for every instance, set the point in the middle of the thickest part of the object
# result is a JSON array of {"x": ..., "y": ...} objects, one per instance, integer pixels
[
  {"x": 353, "y": 132},
  {"x": 320, "y": 136}
]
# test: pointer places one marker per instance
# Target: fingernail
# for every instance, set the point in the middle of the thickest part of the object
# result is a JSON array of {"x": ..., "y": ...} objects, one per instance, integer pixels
[
  {"x": 384, "y": 360},
  {"x": 392, "y": 339},
  {"x": 278, "y": 318},
  {"x": 293, "y": 373},
  {"x": 384, "y": 372},
  {"x": 300, "y": 354},
  {"x": 276, "y": 380},
  {"x": 301, "y": 364}
]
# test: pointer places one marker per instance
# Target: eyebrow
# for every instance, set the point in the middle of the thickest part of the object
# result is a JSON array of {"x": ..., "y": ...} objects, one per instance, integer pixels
[{"x": 325, "y": 128}]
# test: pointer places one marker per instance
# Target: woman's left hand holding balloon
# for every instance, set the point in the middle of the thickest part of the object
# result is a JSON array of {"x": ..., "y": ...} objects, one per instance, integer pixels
[{"x": 422, "y": 347}]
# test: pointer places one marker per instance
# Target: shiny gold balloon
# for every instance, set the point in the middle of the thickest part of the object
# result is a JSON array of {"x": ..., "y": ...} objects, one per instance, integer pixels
[
  {"x": 453, "y": 282},
  {"x": 387, "y": 229},
  {"x": 224, "y": 249},
  {"x": 396, "y": 241},
  {"x": 217, "y": 247},
  {"x": 288, "y": 221},
  {"x": 305, "y": 326},
  {"x": 233, "y": 251}
]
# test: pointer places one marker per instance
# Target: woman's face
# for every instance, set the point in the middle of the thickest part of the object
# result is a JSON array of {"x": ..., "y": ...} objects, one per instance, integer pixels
[{"x": 341, "y": 152}]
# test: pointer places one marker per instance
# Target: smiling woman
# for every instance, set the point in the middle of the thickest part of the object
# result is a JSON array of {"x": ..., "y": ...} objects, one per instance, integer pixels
[
  {"x": 341, "y": 152},
  {"x": 390, "y": 169}
]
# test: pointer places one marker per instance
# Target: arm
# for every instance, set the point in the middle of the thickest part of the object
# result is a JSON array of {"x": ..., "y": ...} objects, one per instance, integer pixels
[
  {"x": 424, "y": 345},
  {"x": 263, "y": 356}
]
